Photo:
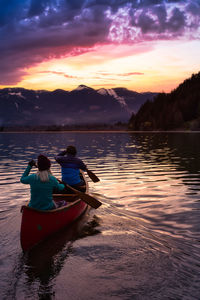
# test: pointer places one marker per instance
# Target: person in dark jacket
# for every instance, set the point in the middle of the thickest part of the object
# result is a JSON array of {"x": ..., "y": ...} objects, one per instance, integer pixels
[{"x": 71, "y": 166}]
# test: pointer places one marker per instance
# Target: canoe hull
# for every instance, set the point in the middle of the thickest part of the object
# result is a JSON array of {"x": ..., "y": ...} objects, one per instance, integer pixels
[{"x": 37, "y": 225}]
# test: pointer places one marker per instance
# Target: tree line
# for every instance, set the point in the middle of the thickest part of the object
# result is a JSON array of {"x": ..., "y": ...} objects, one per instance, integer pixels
[{"x": 178, "y": 110}]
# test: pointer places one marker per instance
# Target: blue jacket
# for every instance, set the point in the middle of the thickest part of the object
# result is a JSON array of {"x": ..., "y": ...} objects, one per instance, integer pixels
[
  {"x": 70, "y": 166},
  {"x": 41, "y": 192}
]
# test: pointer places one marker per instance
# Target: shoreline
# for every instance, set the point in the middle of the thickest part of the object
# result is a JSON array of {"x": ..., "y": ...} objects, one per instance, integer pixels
[{"x": 100, "y": 131}]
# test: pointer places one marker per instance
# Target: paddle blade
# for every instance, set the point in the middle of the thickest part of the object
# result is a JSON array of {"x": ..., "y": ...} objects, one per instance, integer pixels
[
  {"x": 93, "y": 202},
  {"x": 92, "y": 176}
]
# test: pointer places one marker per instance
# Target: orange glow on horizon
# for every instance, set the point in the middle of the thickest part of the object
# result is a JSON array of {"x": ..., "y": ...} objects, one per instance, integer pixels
[{"x": 155, "y": 67}]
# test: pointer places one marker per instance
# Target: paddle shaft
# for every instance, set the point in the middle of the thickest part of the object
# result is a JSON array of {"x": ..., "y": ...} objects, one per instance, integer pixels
[{"x": 93, "y": 202}]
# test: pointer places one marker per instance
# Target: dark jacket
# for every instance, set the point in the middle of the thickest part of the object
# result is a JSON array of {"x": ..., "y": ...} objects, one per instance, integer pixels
[{"x": 71, "y": 166}]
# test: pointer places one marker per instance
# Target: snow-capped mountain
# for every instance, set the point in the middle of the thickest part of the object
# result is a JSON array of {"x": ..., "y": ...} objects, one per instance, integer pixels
[
  {"x": 112, "y": 93},
  {"x": 82, "y": 105}
]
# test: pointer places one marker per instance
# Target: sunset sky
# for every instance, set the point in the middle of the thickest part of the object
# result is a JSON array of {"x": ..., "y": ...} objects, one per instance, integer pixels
[{"x": 143, "y": 45}]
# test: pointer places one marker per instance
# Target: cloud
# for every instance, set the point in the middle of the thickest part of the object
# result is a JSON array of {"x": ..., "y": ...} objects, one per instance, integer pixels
[
  {"x": 131, "y": 74},
  {"x": 154, "y": 20},
  {"x": 34, "y": 31},
  {"x": 11, "y": 11},
  {"x": 58, "y": 73},
  {"x": 122, "y": 74}
]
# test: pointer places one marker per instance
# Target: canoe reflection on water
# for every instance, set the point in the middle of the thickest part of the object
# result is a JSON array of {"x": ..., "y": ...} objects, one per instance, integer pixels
[{"x": 45, "y": 261}]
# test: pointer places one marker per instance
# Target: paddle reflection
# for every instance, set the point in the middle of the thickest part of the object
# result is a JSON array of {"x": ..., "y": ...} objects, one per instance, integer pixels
[{"x": 45, "y": 261}]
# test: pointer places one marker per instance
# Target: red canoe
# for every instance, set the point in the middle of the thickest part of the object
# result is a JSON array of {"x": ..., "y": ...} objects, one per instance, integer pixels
[{"x": 36, "y": 225}]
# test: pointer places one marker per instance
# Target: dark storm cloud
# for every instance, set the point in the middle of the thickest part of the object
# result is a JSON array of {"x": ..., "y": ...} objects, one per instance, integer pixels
[
  {"x": 156, "y": 20},
  {"x": 34, "y": 31},
  {"x": 38, "y": 7},
  {"x": 11, "y": 10}
]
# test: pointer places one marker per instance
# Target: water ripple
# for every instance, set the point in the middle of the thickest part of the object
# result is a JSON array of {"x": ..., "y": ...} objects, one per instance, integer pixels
[{"x": 148, "y": 223}]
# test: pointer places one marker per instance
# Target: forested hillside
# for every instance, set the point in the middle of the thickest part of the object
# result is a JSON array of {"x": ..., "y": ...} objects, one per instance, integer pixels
[{"x": 178, "y": 110}]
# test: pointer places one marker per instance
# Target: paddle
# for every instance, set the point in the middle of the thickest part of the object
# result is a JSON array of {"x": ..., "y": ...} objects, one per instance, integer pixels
[
  {"x": 92, "y": 176},
  {"x": 93, "y": 202}
]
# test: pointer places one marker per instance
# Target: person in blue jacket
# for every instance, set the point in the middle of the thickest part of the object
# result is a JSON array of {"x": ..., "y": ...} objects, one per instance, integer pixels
[
  {"x": 42, "y": 184},
  {"x": 70, "y": 167}
]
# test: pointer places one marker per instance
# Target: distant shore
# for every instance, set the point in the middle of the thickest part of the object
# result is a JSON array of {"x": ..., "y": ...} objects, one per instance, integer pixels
[
  {"x": 75, "y": 128},
  {"x": 97, "y": 128},
  {"x": 100, "y": 131}
]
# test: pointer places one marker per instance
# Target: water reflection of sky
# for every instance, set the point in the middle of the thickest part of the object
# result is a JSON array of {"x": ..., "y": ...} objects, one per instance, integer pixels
[
  {"x": 133, "y": 167},
  {"x": 142, "y": 172},
  {"x": 149, "y": 188}
]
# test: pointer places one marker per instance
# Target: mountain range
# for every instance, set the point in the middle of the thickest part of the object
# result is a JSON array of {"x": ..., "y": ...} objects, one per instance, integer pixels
[{"x": 83, "y": 105}]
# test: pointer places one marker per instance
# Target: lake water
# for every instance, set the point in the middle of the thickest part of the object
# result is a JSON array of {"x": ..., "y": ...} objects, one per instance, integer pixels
[{"x": 142, "y": 243}]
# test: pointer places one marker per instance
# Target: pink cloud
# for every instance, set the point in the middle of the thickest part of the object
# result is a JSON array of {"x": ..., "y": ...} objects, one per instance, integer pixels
[
  {"x": 131, "y": 74},
  {"x": 37, "y": 31},
  {"x": 120, "y": 74},
  {"x": 58, "y": 73}
]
